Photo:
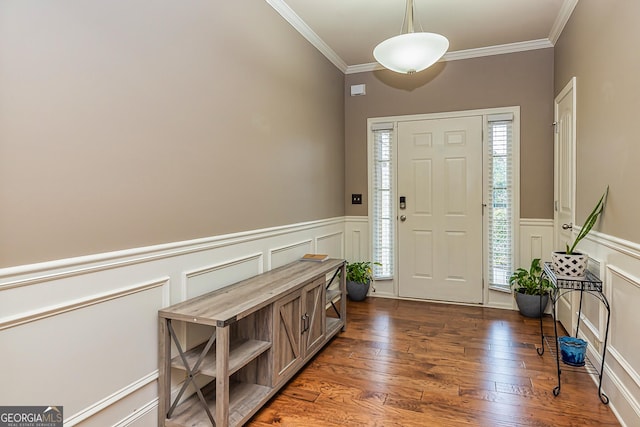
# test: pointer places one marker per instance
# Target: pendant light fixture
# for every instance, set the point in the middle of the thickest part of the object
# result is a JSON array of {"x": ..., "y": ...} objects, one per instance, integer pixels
[{"x": 411, "y": 52}]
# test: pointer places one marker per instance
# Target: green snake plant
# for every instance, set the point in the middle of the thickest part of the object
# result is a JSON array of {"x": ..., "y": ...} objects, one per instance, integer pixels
[{"x": 589, "y": 222}]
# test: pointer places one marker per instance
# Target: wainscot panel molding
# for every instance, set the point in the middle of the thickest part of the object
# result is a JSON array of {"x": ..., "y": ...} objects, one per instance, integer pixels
[
  {"x": 50, "y": 311},
  {"x": 136, "y": 399},
  {"x": 83, "y": 332},
  {"x": 534, "y": 240},
  {"x": 200, "y": 280},
  {"x": 288, "y": 253},
  {"x": 330, "y": 243},
  {"x": 358, "y": 248},
  {"x": 618, "y": 264},
  {"x": 356, "y": 231}
]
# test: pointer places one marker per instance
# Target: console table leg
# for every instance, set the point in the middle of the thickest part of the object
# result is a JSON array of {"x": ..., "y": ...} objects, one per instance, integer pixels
[
  {"x": 222, "y": 376},
  {"x": 164, "y": 371}
]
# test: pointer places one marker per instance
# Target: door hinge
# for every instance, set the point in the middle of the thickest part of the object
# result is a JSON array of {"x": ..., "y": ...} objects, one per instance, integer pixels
[
  {"x": 555, "y": 205},
  {"x": 555, "y": 127}
]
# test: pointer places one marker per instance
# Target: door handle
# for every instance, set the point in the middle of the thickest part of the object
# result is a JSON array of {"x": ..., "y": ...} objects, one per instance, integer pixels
[
  {"x": 567, "y": 226},
  {"x": 403, "y": 218}
]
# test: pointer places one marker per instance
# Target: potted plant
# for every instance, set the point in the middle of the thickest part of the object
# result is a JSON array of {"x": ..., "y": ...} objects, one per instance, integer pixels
[
  {"x": 531, "y": 289},
  {"x": 359, "y": 277},
  {"x": 570, "y": 264}
]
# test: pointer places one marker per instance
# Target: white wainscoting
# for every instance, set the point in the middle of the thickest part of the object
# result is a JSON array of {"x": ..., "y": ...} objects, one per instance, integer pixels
[
  {"x": 618, "y": 263},
  {"x": 534, "y": 240},
  {"x": 358, "y": 248},
  {"x": 82, "y": 332}
]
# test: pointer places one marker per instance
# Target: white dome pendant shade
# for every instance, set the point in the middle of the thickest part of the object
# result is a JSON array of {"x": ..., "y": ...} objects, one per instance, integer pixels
[{"x": 411, "y": 52}]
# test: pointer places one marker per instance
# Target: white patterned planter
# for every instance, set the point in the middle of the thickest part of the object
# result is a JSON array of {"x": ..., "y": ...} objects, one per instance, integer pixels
[{"x": 570, "y": 267}]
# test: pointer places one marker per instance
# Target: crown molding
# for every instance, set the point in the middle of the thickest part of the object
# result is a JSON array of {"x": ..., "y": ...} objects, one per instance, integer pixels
[
  {"x": 363, "y": 68},
  {"x": 499, "y": 49},
  {"x": 296, "y": 22},
  {"x": 561, "y": 20},
  {"x": 467, "y": 54}
]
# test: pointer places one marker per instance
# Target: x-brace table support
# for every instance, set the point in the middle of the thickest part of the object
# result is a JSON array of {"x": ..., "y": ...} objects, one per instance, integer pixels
[
  {"x": 191, "y": 372},
  {"x": 327, "y": 288}
]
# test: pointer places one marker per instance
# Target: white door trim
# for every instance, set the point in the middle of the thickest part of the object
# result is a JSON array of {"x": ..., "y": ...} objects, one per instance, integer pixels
[
  {"x": 453, "y": 114},
  {"x": 569, "y": 87},
  {"x": 566, "y": 313}
]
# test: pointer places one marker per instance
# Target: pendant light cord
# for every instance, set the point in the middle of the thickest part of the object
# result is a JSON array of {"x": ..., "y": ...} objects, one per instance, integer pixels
[{"x": 408, "y": 24}]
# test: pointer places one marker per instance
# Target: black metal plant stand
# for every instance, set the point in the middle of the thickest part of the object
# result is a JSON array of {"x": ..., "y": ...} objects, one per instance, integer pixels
[{"x": 592, "y": 285}]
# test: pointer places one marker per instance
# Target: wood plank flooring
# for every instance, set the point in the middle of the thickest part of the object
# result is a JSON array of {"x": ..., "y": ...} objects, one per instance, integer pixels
[{"x": 408, "y": 363}]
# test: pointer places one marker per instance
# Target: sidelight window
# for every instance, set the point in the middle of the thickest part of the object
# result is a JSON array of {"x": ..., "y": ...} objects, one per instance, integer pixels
[
  {"x": 383, "y": 213},
  {"x": 500, "y": 212}
]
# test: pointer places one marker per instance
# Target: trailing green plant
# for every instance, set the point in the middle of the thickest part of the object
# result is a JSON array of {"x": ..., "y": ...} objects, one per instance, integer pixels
[
  {"x": 361, "y": 271},
  {"x": 530, "y": 282},
  {"x": 589, "y": 222}
]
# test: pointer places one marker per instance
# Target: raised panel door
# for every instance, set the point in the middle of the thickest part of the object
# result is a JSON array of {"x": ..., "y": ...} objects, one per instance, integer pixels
[{"x": 440, "y": 230}]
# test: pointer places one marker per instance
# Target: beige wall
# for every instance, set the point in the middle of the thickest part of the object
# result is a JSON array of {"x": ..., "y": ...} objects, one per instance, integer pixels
[
  {"x": 524, "y": 79},
  {"x": 126, "y": 124},
  {"x": 599, "y": 46}
]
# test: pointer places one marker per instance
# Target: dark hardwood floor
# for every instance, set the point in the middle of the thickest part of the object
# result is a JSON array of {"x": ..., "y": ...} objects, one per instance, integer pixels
[{"x": 408, "y": 363}]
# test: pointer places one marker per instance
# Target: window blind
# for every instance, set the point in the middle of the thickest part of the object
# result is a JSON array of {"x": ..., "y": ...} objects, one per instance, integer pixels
[
  {"x": 500, "y": 204},
  {"x": 383, "y": 213}
]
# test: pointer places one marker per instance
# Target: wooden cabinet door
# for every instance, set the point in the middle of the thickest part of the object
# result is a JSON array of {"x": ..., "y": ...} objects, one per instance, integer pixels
[
  {"x": 287, "y": 353},
  {"x": 314, "y": 315}
]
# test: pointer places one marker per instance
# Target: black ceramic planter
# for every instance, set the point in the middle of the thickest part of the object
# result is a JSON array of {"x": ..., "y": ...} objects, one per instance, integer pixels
[
  {"x": 530, "y": 306},
  {"x": 357, "y": 291}
]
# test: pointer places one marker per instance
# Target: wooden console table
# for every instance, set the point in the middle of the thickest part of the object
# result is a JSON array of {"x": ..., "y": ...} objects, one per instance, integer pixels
[{"x": 261, "y": 331}]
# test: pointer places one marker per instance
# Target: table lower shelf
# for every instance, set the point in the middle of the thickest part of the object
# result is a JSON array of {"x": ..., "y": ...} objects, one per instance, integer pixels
[
  {"x": 244, "y": 400},
  {"x": 588, "y": 368},
  {"x": 241, "y": 352},
  {"x": 333, "y": 325}
]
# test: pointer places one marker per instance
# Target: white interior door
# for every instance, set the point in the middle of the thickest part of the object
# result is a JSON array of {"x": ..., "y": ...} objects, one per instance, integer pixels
[
  {"x": 565, "y": 188},
  {"x": 440, "y": 228}
]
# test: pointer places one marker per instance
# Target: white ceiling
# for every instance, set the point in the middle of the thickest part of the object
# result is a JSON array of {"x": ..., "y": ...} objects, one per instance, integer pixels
[{"x": 346, "y": 31}]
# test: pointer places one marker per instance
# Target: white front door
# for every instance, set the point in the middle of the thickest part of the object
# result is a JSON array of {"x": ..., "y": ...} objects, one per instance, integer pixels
[
  {"x": 565, "y": 187},
  {"x": 440, "y": 228}
]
